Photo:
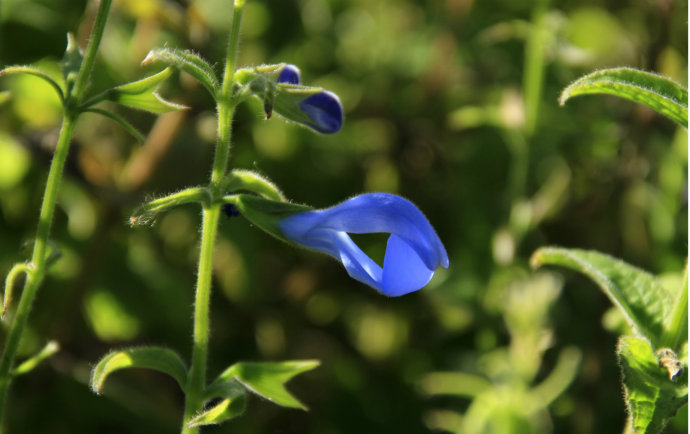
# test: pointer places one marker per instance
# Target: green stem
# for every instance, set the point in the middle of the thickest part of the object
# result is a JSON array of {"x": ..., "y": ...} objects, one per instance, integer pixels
[
  {"x": 534, "y": 65},
  {"x": 37, "y": 266},
  {"x": 197, "y": 372},
  {"x": 678, "y": 320},
  {"x": 91, "y": 50},
  {"x": 226, "y": 103},
  {"x": 211, "y": 214}
]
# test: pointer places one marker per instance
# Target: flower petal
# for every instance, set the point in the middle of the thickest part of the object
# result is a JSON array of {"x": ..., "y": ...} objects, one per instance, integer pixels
[
  {"x": 324, "y": 110},
  {"x": 403, "y": 269},
  {"x": 413, "y": 252},
  {"x": 374, "y": 213},
  {"x": 290, "y": 74}
]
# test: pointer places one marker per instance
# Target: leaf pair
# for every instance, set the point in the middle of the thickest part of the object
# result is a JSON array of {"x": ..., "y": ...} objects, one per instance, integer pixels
[
  {"x": 266, "y": 379},
  {"x": 141, "y": 94}
]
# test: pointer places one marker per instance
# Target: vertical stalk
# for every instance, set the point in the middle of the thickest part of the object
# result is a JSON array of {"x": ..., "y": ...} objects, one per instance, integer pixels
[
  {"x": 534, "y": 65},
  {"x": 196, "y": 381},
  {"x": 197, "y": 372},
  {"x": 225, "y": 104},
  {"x": 532, "y": 85},
  {"x": 37, "y": 267}
]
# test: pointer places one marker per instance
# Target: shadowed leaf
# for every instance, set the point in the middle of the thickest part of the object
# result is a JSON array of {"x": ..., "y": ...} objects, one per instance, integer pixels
[
  {"x": 639, "y": 295},
  {"x": 156, "y": 358}
]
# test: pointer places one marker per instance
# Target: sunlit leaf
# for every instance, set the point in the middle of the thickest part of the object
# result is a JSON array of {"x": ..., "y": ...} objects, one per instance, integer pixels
[
  {"x": 246, "y": 180},
  {"x": 141, "y": 94},
  {"x": 187, "y": 61},
  {"x": 156, "y": 358},
  {"x": 638, "y": 294},
  {"x": 268, "y": 379},
  {"x": 224, "y": 410},
  {"x": 652, "y": 397},
  {"x": 25, "y": 69},
  {"x": 655, "y": 91}
]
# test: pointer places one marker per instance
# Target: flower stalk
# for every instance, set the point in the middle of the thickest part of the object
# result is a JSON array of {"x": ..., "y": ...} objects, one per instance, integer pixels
[
  {"x": 196, "y": 381},
  {"x": 37, "y": 267}
]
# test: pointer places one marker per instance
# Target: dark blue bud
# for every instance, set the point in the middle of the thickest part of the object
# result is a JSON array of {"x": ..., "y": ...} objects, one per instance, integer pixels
[
  {"x": 324, "y": 110},
  {"x": 231, "y": 210},
  {"x": 289, "y": 75}
]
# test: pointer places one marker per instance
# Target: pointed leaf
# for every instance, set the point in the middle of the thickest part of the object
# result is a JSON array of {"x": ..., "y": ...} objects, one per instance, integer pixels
[
  {"x": 638, "y": 294},
  {"x": 28, "y": 365},
  {"x": 226, "y": 409},
  {"x": 25, "y": 69},
  {"x": 156, "y": 358},
  {"x": 189, "y": 62},
  {"x": 150, "y": 102},
  {"x": 655, "y": 91},
  {"x": 71, "y": 62},
  {"x": 141, "y": 94},
  {"x": 120, "y": 120},
  {"x": 268, "y": 379},
  {"x": 652, "y": 398},
  {"x": 145, "y": 84}
]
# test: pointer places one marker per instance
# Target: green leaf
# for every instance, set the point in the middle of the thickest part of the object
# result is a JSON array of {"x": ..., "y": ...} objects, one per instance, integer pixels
[
  {"x": 226, "y": 409},
  {"x": 28, "y": 365},
  {"x": 71, "y": 62},
  {"x": 120, "y": 120},
  {"x": 655, "y": 91},
  {"x": 265, "y": 213},
  {"x": 141, "y": 94},
  {"x": 147, "y": 212},
  {"x": 25, "y": 69},
  {"x": 189, "y": 62},
  {"x": 246, "y": 180},
  {"x": 639, "y": 295},
  {"x": 156, "y": 358},
  {"x": 652, "y": 398},
  {"x": 267, "y": 379}
]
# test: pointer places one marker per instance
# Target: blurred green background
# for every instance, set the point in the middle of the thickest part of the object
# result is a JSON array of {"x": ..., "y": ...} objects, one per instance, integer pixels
[{"x": 433, "y": 93}]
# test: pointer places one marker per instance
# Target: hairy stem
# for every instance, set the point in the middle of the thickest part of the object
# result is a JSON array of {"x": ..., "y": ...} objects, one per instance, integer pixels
[
  {"x": 211, "y": 214},
  {"x": 225, "y": 103},
  {"x": 37, "y": 266},
  {"x": 197, "y": 372}
]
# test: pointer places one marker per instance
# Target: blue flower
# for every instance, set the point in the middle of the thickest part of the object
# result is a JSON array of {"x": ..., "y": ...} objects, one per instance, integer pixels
[
  {"x": 289, "y": 74},
  {"x": 413, "y": 252},
  {"x": 323, "y": 110}
]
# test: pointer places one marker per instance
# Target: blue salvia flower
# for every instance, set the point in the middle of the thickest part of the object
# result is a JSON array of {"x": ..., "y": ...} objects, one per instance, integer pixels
[
  {"x": 323, "y": 110},
  {"x": 289, "y": 74},
  {"x": 413, "y": 252}
]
